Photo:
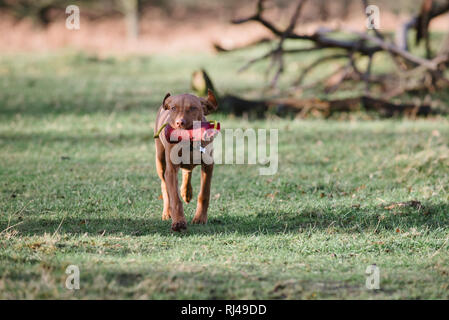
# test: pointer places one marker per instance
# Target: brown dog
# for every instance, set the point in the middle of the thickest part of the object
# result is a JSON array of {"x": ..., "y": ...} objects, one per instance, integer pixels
[{"x": 179, "y": 112}]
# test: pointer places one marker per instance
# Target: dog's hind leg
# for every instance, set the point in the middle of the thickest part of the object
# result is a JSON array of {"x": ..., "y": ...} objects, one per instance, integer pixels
[
  {"x": 204, "y": 195},
  {"x": 186, "y": 187}
]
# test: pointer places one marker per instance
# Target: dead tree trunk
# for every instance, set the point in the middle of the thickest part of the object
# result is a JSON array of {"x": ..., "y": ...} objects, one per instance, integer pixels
[{"x": 130, "y": 9}]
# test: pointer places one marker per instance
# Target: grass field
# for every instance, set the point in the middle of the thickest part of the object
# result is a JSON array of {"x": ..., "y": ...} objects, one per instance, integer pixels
[{"x": 78, "y": 186}]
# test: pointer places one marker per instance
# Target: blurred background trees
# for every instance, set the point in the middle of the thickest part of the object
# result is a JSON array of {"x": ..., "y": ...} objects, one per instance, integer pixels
[
  {"x": 42, "y": 12},
  {"x": 395, "y": 62}
]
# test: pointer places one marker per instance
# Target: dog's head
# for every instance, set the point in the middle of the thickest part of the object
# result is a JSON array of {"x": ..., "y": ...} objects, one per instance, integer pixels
[{"x": 186, "y": 108}]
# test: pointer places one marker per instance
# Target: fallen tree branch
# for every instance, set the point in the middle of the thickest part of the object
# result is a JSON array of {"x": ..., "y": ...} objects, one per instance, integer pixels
[
  {"x": 329, "y": 107},
  {"x": 390, "y": 47},
  {"x": 361, "y": 45},
  {"x": 220, "y": 48},
  {"x": 416, "y": 22},
  {"x": 315, "y": 64},
  {"x": 319, "y": 38},
  {"x": 303, "y": 107}
]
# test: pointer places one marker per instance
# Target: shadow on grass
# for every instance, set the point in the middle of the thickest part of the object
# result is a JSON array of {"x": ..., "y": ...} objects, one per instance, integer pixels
[{"x": 341, "y": 220}]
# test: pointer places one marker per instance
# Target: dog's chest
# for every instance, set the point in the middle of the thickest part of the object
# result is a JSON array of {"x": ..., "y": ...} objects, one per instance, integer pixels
[{"x": 189, "y": 154}]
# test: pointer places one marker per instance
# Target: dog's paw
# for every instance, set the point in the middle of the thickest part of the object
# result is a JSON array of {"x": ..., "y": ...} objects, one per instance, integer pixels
[
  {"x": 186, "y": 193},
  {"x": 179, "y": 226},
  {"x": 200, "y": 219},
  {"x": 166, "y": 215}
]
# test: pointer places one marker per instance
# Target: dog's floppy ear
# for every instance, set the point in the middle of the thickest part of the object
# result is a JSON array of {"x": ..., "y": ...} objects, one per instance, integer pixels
[
  {"x": 209, "y": 105},
  {"x": 163, "y": 102}
]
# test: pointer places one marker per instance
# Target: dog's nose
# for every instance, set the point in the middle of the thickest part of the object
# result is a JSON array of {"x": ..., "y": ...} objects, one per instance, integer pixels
[{"x": 180, "y": 123}]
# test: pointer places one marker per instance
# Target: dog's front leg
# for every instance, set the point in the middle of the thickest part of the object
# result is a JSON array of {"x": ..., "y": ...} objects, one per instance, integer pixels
[
  {"x": 160, "y": 166},
  {"x": 176, "y": 209},
  {"x": 204, "y": 195}
]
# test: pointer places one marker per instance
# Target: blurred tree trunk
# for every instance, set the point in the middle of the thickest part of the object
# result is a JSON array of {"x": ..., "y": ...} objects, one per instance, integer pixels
[
  {"x": 445, "y": 46},
  {"x": 345, "y": 9},
  {"x": 43, "y": 14},
  {"x": 323, "y": 9},
  {"x": 422, "y": 28},
  {"x": 130, "y": 8},
  {"x": 444, "y": 50}
]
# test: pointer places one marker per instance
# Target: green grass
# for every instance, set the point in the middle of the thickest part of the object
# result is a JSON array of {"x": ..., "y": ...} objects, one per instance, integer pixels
[{"x": 78, "y": 186}]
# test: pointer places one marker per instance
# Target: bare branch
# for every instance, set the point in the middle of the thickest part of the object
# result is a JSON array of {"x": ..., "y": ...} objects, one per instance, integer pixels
[
  {"x": 431, "y": 71},
  {"x": 316, "y": 63},
  {"x": 429, "y": 64}
]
